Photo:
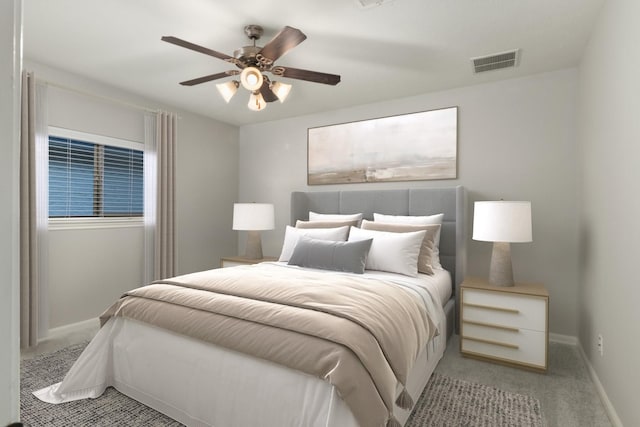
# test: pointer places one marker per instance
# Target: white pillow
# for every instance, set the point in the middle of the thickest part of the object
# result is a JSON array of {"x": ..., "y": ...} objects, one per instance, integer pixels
[
  {"x": 425, "y": 264},
  {"x": 409, "y": 219},
  {"x": 393, "y": 252},
  {"x": 314, "y": 216},
  {"x": 292, "y": 234},
  {"x": 417, "y": 220}
]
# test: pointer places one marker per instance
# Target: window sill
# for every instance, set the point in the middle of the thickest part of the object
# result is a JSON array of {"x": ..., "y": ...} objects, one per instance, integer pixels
[{"x": 94, "y": 223}]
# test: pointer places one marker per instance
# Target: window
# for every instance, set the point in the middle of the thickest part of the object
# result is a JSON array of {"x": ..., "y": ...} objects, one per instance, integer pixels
[{"x": 94, "y": 176}]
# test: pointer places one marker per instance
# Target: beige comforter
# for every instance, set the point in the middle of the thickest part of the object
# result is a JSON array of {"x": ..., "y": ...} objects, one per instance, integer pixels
[{"x": 361, "y": 335}]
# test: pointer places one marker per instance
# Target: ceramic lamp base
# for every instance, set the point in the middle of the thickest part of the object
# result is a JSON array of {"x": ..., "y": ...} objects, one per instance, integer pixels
[
  {"x": 501, "y": 271},
  {"x": 254, "y": 245}
]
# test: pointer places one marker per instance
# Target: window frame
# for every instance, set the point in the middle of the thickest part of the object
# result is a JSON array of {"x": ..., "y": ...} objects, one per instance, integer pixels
[{"x": 78, "y": 223}]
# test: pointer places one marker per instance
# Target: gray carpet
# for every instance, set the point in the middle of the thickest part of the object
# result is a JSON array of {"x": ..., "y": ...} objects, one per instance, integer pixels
[
  {"x": 567, "y": 394},
  {"x": 444, "y": 402}
]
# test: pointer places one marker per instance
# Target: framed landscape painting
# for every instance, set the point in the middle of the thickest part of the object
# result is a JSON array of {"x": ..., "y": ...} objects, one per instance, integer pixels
[{"x": 408, "y": 147}]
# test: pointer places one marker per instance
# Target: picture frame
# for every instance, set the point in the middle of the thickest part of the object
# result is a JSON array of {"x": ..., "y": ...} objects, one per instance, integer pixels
[{"x": 408, "y": 147}]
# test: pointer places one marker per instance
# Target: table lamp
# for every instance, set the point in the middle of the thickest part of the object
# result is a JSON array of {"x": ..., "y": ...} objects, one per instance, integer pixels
[
  {"x": 503, "y": 223},
  {"x": 253, "y": 217}
]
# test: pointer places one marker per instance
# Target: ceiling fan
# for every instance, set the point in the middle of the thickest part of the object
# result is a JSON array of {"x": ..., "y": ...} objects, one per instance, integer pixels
[{"x": 253, "y": 61}]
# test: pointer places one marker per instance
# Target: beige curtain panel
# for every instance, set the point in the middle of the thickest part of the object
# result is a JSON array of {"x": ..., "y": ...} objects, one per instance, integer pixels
[
  {"x": 166, "y": 135},
  {"x": 28, "y": 240},
  {"x": 33, "y": 212}
]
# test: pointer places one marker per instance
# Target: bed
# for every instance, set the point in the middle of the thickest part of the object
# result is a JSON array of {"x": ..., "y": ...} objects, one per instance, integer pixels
[{"x": 204, "y": 384}]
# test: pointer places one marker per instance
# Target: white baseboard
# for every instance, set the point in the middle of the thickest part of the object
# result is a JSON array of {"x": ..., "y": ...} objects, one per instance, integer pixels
[
  {"x": 563, "y": 339},
  {"x": 608, "y": 406},
  {"x": 79, "y": 327}
]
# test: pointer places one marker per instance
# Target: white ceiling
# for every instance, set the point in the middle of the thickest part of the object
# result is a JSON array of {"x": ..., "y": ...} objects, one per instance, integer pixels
[{"x": 399, "y": 49}]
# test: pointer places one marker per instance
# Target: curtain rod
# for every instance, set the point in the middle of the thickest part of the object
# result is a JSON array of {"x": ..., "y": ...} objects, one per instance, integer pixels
[{"x": 105, "y": 98}]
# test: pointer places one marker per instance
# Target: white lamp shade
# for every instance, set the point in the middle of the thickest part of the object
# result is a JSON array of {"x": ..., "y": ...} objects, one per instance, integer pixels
[
  {"x": 253, "y": 216},
  {"x": 256, "y": 102},
  {"x": 281, "y": 90},
  {"x": 228, "y": 89},
  {"x": 502, "y": 221},
  {"x": 251, "y": 78}
]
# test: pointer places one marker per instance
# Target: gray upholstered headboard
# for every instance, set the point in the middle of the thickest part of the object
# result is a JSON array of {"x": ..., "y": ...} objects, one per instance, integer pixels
[{"x": 418, "y": 201}]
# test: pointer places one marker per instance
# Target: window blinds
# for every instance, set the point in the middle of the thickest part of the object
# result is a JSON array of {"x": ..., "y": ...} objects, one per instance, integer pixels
[
  {"x": 93, "y": 180},
  {"x": 122, "y": 182}
]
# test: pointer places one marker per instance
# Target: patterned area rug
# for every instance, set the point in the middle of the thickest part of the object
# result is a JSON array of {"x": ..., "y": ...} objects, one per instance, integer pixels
[
  {"x": 449, "y": 402},
  {"x": 444, "y": 402}
]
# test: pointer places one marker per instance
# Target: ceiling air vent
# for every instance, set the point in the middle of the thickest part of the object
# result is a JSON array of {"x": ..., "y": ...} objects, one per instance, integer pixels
[
  {"x": 496, "y": 61},
  {"x": 366, "y": 4}
]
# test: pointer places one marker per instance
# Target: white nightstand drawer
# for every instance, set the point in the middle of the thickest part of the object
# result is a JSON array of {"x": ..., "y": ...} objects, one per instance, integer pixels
[
  {"x": 524, "y": 347},
  {"x": 505, "y": 324},
  {"x": 519, "y": 311}
]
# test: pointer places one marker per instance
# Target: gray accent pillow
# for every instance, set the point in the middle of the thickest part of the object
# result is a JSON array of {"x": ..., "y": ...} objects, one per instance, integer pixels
[
  {"x": 331, "y": 255},
  {"x": 291, "y": 236}
]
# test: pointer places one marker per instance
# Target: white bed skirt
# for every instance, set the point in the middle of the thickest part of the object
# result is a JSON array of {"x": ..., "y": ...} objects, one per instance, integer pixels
[{"x": 199, "y": 384}]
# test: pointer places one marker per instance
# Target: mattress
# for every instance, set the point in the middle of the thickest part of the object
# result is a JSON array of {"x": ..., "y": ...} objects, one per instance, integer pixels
[{"x": 206, "y": 385}]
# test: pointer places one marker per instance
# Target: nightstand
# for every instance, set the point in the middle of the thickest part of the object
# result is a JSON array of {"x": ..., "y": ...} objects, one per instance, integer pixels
[
  {"x": 231, "y": 261},
  {"x": 509, "y": 325}
]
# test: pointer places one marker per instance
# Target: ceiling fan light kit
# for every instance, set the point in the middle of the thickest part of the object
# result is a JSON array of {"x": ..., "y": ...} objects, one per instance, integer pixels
[
  {"x": 254, "y": 61},
  {"x": 256, "y": 101},
  {"x": 228, "y": 89},
  {"x": 251, "y": 79},
  {"x": 281, "y": 90}
]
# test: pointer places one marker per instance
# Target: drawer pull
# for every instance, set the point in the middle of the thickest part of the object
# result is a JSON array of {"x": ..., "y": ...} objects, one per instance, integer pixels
[
  {"x": 492, "y": 325},
  {"x": 502, "y": 344},
  {"x": 491, "y": 307}
]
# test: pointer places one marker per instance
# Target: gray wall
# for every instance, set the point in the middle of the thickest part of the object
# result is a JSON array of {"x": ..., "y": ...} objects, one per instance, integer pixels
[
  {"x": 207, "y": 187},
  {"x": 90, "y": 268},
  {"x": 516, "y": 141},
  {"x": 610, "y": 135},
  {"x": 10, "y": 62}
]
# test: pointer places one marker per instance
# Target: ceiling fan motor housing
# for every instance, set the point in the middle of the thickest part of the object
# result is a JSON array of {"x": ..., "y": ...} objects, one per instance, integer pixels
[{"x": 247, "y": 54}]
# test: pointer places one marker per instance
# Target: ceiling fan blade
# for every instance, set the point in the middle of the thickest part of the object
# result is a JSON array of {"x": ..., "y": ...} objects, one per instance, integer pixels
[
  {"x": 266, "y": 92},
  {"x": 205, "y": 79},
  {"x": 281, "y": 43},
  {"x": 197, "y": 48},
  {"x": 310, "y": 76}
]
